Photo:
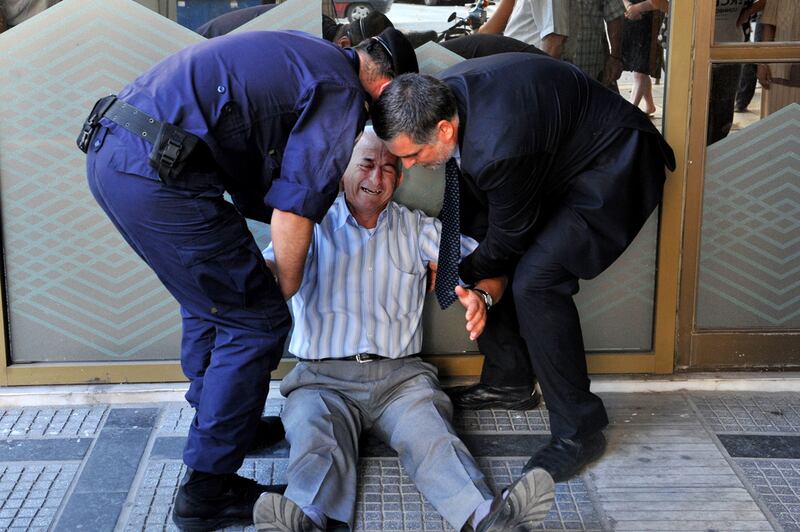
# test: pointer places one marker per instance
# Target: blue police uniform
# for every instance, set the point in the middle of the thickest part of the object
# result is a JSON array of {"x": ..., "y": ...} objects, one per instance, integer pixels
[{"x": 278, "y": 113}]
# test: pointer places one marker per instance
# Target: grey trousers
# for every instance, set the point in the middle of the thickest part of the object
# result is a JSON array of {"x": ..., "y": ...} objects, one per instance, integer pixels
[{"x": 328, "y": 405}]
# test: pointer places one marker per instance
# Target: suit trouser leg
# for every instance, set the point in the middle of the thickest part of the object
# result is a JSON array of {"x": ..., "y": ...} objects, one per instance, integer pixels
[
  {"x": 417, "y": 423},
  {"x": 201, "y": 250},
  {"x": 322, "y": 428},
  {"x": 550, "y": 325},
  {"x": 506, "y": 360}
]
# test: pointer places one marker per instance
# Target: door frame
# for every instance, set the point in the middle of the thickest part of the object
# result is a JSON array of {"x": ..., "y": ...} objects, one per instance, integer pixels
[{"x": 707, "y": 349}]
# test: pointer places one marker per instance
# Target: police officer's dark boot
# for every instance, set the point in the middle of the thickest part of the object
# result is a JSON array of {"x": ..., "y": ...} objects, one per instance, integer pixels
[
  {"x": 210, "y": 502},
  {"x": 269, "y": 432}
]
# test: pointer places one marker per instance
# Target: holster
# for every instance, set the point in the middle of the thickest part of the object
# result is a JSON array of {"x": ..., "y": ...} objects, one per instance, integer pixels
[
  {"x": 171, "y": 151},
  {"x": 92, "y": 122}
]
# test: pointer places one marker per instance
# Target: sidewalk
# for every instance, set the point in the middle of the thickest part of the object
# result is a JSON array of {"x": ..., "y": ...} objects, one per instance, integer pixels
[{"x": 678, "y": 460}]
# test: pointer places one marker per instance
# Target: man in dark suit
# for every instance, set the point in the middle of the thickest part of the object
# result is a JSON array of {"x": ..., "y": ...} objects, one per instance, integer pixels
[{"x": 557, "y": 176}]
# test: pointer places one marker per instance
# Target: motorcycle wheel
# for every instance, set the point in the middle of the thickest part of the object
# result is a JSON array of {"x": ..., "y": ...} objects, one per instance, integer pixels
[{"x": 357, "y": 11}]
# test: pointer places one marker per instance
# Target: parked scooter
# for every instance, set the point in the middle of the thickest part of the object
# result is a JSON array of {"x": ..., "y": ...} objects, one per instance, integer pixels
[{"x": 465, "y": 25}]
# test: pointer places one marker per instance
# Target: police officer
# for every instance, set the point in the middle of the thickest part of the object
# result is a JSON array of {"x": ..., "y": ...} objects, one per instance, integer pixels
[{"x": 270, "y": 117}]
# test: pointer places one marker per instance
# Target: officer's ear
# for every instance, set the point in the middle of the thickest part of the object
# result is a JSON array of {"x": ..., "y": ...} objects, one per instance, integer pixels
[{"x": 344, "y": 42}]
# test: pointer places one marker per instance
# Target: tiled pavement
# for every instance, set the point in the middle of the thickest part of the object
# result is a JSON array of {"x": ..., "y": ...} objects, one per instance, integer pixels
[{"x": 675, "y": 461}]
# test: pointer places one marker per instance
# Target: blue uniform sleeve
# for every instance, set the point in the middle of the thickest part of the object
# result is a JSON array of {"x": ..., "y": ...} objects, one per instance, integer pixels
[{"x": 318, "y": 150}]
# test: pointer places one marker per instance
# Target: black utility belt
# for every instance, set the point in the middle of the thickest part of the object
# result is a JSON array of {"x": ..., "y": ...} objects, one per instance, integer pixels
[{"x": 172, "y": 146}]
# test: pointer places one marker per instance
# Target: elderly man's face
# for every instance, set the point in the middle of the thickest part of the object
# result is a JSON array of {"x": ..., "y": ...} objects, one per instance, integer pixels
[{"x": 371, "y": 177}]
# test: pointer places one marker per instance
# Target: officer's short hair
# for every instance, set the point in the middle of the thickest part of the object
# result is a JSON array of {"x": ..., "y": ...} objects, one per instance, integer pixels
[
  {"x": 391, "y": 53},
  {"x": 413, "y": 104}
]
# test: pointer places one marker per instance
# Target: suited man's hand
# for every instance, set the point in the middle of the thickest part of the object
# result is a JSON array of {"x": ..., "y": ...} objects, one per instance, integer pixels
[{"x": 476, "y": 311}]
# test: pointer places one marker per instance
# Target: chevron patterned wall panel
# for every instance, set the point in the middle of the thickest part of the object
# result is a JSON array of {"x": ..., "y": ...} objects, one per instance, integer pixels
[
  {"x": 303, "y": 15},
  {"x": 75, "y": 289},
  {"x": 433, "y": 58},
  {"x": 750, "y": 247},
  {"x": 616, "y": 307}
]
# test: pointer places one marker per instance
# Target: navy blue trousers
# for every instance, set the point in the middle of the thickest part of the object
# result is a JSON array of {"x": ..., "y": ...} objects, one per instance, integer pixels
[{"x": 235, "y": 320}]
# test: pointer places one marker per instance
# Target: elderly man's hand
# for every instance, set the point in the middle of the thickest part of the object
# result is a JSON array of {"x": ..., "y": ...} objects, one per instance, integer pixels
[
  {"x": 431, "y": 278},
  {"x": 476, "y": 311}
]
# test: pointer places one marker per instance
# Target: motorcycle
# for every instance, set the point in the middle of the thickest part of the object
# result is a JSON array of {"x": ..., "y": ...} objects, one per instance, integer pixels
[{"x": 465, "y": 25}]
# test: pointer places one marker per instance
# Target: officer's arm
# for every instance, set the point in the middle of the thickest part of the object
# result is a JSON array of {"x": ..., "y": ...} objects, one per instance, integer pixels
[{"x": 291, "y": 236}]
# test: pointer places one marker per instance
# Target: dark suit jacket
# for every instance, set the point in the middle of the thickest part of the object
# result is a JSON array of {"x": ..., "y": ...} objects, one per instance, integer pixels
[
  {"x": 224, "y": 24},
  {"x": 529, "y": 127},
  {"x": 483, "y": 44}
]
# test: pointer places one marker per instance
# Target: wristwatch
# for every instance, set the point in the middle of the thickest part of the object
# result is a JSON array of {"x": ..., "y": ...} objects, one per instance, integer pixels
[{"x": 485, "y": 295}]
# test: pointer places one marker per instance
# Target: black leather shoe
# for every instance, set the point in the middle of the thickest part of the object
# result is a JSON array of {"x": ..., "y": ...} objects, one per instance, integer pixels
[
  {"x": 564, "y": 458},
  {"x": 209, "y": 502},
  {"x": 269, "y": 432},
  {"x": 482, "y": 396}
]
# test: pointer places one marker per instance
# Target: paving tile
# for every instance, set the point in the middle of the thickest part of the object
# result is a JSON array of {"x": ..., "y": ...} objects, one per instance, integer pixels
[
  {"x": 761, "y": 446},
  {"x": 35, "y": 450},
  {"x": 734, "y": 412},
  {"x": 108, "y": 472},
  {"x": 78, "y": 422},
  {"x": 469, "y": 421},
  {"x": 114, "y": 460},
  {"x": 131, "y": 418},
  {"x": 97, "y": 511},
  {"x": 177, "y": 417},
  {"x": 776, "y": 481},
  {"x": 18, "y": 506}
]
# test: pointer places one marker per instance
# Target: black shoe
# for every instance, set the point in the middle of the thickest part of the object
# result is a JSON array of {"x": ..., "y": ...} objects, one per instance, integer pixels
[
  {"x": 526, "y": 504},
  {"x": 482, "y": 396},
  {"x": 564, "y": 458},
  {"x": 210, "y": 502},
  {"x": 269, "y": 432}
]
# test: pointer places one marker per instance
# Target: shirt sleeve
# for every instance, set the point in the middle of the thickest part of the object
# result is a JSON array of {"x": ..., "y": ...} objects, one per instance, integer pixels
[
  {"x": 514, "y": 202},
  {"x": 268, "y": 253},
  {"x": 430, "y": 235},
  {"x": 551, "y": 16},
  {"x": 318, "y": 150},
  {"x": 613, "y": 9},
  {"x": 770, "y": 13}
]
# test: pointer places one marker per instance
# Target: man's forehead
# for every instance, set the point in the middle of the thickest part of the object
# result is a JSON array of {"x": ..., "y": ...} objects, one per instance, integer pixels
[{"x": 372, "y": 148}]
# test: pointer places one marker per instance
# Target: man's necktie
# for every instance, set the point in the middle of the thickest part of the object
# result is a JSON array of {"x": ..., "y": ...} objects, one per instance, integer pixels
[{"x": 450, "y": 245}]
